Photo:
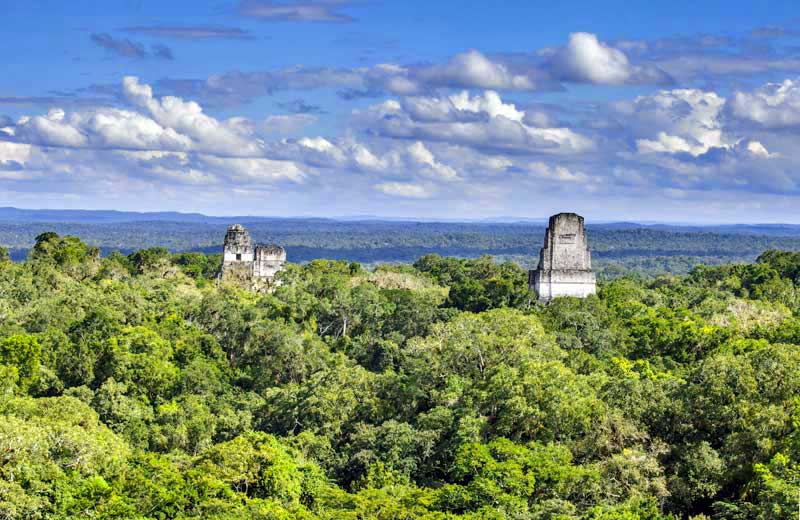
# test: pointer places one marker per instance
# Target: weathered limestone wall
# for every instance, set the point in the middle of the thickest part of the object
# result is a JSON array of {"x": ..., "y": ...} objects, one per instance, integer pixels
[
  {"x": 565, "y": 262},
  {"x": 565, "y": 245},
  {"x": 230, "y": 257},
  {"x": 269, "y": 259},
  {"x": 555, "y": 283}
]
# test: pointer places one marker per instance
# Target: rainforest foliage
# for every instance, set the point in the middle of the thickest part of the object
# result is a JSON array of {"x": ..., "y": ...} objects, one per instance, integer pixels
[
  {"x": 136, "y": 387},
  {"x": 616, "y": 248}
]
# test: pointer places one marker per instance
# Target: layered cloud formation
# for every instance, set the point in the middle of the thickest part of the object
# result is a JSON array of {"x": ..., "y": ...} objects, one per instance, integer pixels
[
  {"x": 465, "y": 133},
  {"x": 584, "y": 59}
]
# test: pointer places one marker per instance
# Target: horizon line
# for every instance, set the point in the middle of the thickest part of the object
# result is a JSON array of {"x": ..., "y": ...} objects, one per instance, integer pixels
[{"x": 371, "y": 217}]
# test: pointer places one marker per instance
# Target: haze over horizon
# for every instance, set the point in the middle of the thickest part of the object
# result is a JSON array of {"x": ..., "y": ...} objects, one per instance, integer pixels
[
  {"x": 7, "y": 214},
  {"x": 678, "y": 113}
]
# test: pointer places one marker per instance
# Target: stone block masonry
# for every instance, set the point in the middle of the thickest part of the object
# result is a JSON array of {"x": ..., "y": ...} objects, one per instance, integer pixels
[
  {"x": 252, "y": 266},
  {"x": 565, "y": 262}
]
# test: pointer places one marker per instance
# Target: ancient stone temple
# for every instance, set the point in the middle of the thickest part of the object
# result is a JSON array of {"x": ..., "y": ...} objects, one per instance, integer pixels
[
  {"x": 253, "y": 266},
  {"x": 565, "y": 263}
]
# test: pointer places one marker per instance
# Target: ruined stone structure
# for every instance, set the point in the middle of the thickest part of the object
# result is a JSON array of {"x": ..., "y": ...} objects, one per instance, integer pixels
[
  {"x": 253, "y": 266},
  {"x": 565, "y": 263}
]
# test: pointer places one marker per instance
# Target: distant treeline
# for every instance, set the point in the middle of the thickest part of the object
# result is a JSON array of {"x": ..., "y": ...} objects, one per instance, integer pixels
[{"x": 644, "y": 249}]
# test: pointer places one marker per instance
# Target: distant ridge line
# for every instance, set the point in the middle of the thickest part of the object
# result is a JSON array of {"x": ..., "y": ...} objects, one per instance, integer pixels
[{"x": 10, "y": 214}]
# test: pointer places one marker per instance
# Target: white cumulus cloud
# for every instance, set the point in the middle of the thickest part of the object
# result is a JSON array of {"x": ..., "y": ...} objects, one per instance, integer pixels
[
  {"x": 474, "y": 70},
  {"x": 585, "y": 59},
  {"x": 420, "y": 155},
  {"x": 673, "y": 121},
  {"x": 482, "y": 121},
  {"x": 774, "y": 105},
  {"x": 187, "y": 118}
]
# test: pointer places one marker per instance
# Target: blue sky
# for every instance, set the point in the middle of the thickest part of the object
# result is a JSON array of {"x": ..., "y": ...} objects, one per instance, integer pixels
[{"x": 673, "y": 111}]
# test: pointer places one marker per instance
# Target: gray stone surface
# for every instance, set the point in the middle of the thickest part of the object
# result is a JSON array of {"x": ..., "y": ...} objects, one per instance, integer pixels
[
  {"x": 251, "y": 266},
  {"x": 565, "y": 262},
  {"x": 238, "y": 246},
  {"x": 269, "y": 259}
]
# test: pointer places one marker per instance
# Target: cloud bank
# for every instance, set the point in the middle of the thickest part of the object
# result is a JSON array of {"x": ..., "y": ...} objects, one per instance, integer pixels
[{"x": 469, "y": 132}]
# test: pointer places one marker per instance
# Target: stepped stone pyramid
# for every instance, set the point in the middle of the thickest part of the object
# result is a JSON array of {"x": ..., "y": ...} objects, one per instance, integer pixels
[{"x": 565, "y": 262}]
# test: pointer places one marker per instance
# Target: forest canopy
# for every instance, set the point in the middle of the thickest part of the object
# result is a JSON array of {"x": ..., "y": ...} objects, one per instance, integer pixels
[
  {"x": 137, "y": 386},
  {"x": 617, "y": 248}
]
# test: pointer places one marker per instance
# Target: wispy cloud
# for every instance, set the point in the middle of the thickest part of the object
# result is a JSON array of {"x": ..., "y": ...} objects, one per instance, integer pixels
[
  {"x": 120, "y": 46},
  {"x": 192, "y": 32},
  {"x": 162, "y": 51},
  {"x": 714, "y": 58},
  {"x": 299, "y": 106},
  {"x": 129, "y": 48},
  {"x": 405, "y": 190},
  {"x": 54, "y": 100},
  {"x": 327, "y": 11}
]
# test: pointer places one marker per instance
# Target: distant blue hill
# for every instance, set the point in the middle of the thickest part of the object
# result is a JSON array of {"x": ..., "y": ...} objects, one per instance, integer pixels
[
  {"x": 81, "y": 216},
  {"x": 95, "y": 216},
  {"x": 87, "y": 216}
]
